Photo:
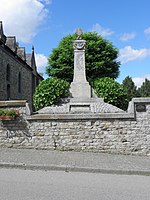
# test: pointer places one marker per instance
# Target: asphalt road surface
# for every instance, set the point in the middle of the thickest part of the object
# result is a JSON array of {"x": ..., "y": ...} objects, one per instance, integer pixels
[{"x": 16, "y": 184}]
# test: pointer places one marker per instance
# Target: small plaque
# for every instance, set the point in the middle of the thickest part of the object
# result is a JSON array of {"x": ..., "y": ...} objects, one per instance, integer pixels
[
  {"x": 140, "y": 108},
  {"x": 79, "y": 108}
]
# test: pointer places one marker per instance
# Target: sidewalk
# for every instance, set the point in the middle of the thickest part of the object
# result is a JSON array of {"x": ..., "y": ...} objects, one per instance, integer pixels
[{"x": 74, "y": 161}]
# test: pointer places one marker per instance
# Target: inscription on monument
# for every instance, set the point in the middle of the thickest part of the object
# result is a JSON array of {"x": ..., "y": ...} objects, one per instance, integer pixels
[
  {"x": 79, "y": 61},
  {"x": 140, "y": 108}
]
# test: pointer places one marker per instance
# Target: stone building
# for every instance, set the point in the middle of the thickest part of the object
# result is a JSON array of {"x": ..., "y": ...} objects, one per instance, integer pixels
[{"x": 18, "y": 72}]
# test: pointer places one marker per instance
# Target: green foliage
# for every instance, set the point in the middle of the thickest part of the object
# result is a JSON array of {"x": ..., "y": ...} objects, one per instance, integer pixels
[
  {"x": 49, "y": 92},
  {"x": 2, "y": 112},
  {"x": 144, "y": 90},
  {"x": 111, "y": 91},
  {"x": 100, "y": 56},
  {"x": 130, "y": 87},
  {"x": 8, "y": 112}
]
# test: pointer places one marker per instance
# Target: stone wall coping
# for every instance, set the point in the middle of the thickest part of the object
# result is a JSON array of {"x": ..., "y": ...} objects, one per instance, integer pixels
[
  {"x": 13, "y": 103},
  {"x": 135, "y": 101},
  {"x": 87, "y": 116},
  {"x": 141, "y": 100}
]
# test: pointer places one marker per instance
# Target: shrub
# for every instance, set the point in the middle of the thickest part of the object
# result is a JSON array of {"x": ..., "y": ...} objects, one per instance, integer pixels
[
  {"x": 111, "y": 91},
  {"x": 49, "y": 92}
]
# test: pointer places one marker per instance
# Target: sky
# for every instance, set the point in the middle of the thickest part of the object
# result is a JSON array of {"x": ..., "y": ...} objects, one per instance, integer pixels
[{"x": 43, "y": 23}]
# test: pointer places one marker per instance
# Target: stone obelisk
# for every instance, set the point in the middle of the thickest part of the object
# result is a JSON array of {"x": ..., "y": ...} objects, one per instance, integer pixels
[{"x": 79, "y": 88}]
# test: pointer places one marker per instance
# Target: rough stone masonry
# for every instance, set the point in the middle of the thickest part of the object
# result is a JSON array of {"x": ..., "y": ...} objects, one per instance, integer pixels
[{"x": 125, "y": 133}]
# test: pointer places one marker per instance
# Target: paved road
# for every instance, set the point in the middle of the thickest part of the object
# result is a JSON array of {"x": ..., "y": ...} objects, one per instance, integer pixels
[{"x": 16, "y": 184}]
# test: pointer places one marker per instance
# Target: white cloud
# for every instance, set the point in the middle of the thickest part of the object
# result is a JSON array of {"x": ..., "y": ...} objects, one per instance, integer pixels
[
  {"x": 139, "y": 80},
  {"x": 101, "y": 30},
  {"x": 129, "y": 54},
  {"x": 147, "y": 32},
  {"x": 127, "y": 36},
  {"x": 46, "y": 1},
  {"x": 22, "y": 17},
  {"x": 41, "y": 62}
]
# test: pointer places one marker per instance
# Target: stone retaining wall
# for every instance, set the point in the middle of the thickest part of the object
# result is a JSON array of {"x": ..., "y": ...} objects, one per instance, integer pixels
[{"x": 125, "y": 133}]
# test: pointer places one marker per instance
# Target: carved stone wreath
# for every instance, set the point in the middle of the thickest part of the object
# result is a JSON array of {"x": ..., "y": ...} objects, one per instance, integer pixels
[{"x": 79, "y": 44}]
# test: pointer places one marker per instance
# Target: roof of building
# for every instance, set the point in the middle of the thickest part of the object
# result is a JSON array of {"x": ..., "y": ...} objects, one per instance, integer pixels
[
  {"x": 11, "y": 42},
  {"x": 21, "y": 53},
  {"x": 13, "y": 45},
  {"x": 28, "y": 58},
  {"x": 2, "y": 36}
]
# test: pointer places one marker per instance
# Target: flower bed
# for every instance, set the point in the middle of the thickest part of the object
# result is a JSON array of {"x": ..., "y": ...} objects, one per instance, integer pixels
[{"x": 8, "y": 114}]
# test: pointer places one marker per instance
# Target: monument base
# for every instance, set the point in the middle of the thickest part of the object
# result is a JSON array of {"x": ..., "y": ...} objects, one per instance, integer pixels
[
  {"x": 82, "y": 104},
  {"x": 81, "y": 98},
  {"x": 80, "y": 90}
]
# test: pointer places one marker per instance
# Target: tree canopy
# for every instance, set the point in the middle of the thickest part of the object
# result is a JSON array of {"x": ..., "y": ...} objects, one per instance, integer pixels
[
  {"x": 100, "y": 58},
  {"x": 144, "y": 90},
  {"x": 130, "y": 87}
]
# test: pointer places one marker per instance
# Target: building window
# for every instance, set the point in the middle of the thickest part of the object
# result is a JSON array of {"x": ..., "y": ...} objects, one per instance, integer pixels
[
  {"x": 19, "y": 82},
  {"x": 37, "y": 81},
  {"x": 8, "y": 92},
  {"x": 8, "y": 73}
]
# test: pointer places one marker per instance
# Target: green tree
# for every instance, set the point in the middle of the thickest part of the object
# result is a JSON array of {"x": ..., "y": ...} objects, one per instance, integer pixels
[
  {"x": 49, "y": 92},
  {"x": 111, "y": 91},
  {"x": 144, "y": 90},
  {"x": 130, "y": 87},
  {"x": 100, "y": 56}
]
